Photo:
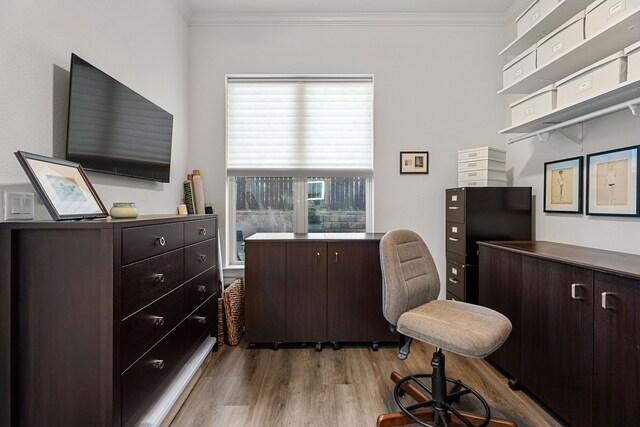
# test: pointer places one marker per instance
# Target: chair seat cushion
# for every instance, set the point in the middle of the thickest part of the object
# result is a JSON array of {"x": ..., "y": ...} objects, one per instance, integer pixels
[{"x": 465, "y": 329}]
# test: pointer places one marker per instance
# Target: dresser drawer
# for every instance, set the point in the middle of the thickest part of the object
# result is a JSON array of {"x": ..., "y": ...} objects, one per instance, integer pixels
[
  {"x": 456, "y": 280},
  {"x": 197, "y": 231},
  {"x": 143, "y": 242},
  {"x": 198, "y": 289},
  {"x": 141, "y": 379},
  {"x": 146, "y": 281},
  {"x": 146, "y": 327},
  {"x": 455, "y": 205},
  {"x": 199, "y": 257},
  {"x": 456, "y": 238},
  {"x": 199, "y": 324}
]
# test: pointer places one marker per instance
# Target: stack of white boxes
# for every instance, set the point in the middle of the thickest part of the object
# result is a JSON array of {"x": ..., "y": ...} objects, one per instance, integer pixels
[{"x": 482, "y": 167}]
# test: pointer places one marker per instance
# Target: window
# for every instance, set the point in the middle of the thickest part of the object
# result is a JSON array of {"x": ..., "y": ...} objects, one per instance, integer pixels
[{"x": 299, "y": 156}]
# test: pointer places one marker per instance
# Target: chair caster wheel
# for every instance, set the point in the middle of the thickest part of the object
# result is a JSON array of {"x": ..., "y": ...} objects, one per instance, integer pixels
[
  {"x": 303, "y": 345},
  {"x": 336, "y": 345},
  {"x": 275, "y": 346},
  {"x": 319, "y": 346},
  {"x": 402, "y": 356},
  {"x": 252, "y": 345},
  {"x": 375, "y": 346},
  {"x": 514, "y": 384}
]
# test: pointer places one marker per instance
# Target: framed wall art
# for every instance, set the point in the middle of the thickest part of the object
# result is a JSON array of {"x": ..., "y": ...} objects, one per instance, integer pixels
[
  {"x": 612, "y": 182},
  {"x": 63, "y": 187},
  {"x": 414, "y": 162},
  {"x": 563, "y": 185}
]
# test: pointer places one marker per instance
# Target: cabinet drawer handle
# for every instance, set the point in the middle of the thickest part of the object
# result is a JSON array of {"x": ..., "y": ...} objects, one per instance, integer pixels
[
  {"x": 605, "y": 300},
  {"x": 160, "y": 241},
  {"x": 202, "y": 257},
  {"x": 201, "y": 319},
  {"x": 454, "y": 208},
  {"x": 158, "y": 364},
  {"x": 202, "y": 288},
  {"x": 158, "y": 278},
  {"x": 453, "y": 239},
  {"x": 574, "y": 291},
  {"x": 158, "y": 320},
  {"x": 202, "y": 232},
  {"x": 336, "y": 260},
  {"x": 456, "y": 281}
]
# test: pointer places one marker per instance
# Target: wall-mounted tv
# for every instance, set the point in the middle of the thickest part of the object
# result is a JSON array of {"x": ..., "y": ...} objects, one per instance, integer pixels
[{"x": 113, "y": 129}]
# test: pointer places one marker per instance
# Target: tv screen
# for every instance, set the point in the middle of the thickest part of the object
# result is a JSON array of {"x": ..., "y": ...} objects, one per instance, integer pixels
[{"x": 112, "y": 129}]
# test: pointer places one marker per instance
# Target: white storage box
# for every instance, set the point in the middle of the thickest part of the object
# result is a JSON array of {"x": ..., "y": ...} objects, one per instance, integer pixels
[
  {"x": 570, "y": 34},
  {"x": 485, "y": 174},
  {"x": 533, "y": 13},
  {"x": 482, "y": 153},
  {"x": 482, "y": 183},
  {"x": 603, "y": 13},
  {"x": 533, "y": 106},
  {"x": 633, "y": 62},
  {"x": 519, "y": 67},
  {"x": 476, "y": 165},
  {"x": 594, "y": 80}
]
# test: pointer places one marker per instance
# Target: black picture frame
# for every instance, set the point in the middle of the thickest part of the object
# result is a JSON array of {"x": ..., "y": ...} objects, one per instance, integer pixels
[
  {"x": 563, "y": 186},
  {"x": 63, "y": 187},
  {"x": 414, "y": 162},
  {"x": 613, "y": 182}
]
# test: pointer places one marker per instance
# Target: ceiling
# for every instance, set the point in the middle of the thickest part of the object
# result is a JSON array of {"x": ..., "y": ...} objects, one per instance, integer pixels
[{"x": 347, "y": 6}]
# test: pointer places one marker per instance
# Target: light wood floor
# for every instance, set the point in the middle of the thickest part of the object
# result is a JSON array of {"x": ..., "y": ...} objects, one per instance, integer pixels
[{"x": 349, "y": 387}]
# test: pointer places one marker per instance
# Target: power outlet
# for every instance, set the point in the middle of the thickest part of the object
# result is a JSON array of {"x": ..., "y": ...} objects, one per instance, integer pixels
[{"x": 18, "y": 206}]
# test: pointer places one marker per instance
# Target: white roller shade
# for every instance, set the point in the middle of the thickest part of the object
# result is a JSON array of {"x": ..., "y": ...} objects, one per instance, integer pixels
[{"x": 300, "y": 127}]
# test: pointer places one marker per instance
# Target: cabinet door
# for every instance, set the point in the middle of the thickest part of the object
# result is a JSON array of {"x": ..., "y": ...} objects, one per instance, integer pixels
[
  {"x": 306, "y": 292},
  {"x": 500, "y": 288},
  {"x": 265, "y": 291},
  {"x": 557, "y": 337},
  {"x": 616, "y": 351},
  {"x": 377, "y": 324},
  {"x": 348, "y": 291}
]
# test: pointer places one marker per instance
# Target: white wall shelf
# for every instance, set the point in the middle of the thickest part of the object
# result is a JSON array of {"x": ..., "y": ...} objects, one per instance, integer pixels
[
  {"x": 545, "y": 25},
  {"x": 608, "y": 41}
]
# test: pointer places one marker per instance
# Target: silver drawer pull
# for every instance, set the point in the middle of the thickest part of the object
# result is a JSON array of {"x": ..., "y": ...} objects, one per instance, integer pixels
[
  {"x": 202, "y": 257},
  {"x": 456, "y": 281},
  {"x": 202, "y": 288},
  {"x": 453, "y": 239},
  {"x": 574, "y": 291},
  {"x": 160, "y": 241},
  {"x": 201, "y": 319},
  {"x": 336, "y": 260},
  {"x": 605, "y": 300},
  {"x": 203, "y": 232},
  {"x": 158, "y": 278},
  {"x": 454, "y": 208},
  {"x": 158, "y": 320},
  {"x": 158, "y": 364}
]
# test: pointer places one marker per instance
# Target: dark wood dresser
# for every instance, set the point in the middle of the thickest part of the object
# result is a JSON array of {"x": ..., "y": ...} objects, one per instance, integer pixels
[
  {"x": 102, "y": 313},
  {"x": 317, "y": 288},
  {"x": 575, "y": 311},
  {"x": 480, "y": 213}
]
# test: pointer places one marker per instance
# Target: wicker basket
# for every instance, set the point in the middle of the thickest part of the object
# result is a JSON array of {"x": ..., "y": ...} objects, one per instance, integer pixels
[
  {"x": 233, "y": 297},
  {"x": 220, "y": 322}
]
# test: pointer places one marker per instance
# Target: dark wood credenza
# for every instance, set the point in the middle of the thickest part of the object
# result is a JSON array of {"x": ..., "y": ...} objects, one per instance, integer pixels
[
  {"x": 314, "y": 287},
  {"x": 102, "y": 315},
  {"x": 575, "y": 311}
]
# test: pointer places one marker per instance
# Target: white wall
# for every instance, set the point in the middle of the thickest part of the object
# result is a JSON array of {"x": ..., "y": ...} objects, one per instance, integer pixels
[
  {"x": 435, "y": 90},
  {"x": 141, "y": 43}
]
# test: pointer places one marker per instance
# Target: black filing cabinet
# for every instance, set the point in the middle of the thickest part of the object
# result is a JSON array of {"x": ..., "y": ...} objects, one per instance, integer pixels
[{"x": 480, "y": 213}]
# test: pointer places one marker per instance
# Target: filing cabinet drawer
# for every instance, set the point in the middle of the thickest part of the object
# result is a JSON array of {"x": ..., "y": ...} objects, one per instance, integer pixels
[
  {"x": 199, "y": 324},
  {"x": 456, "y": 238},
  {"x": 198, "y": 258},
  {"x": 455, "y": 205},
  {"x": 146, "y": 281},
  {"x": 198, "y": 289},
  {"x": 456, "y": 280},
  {"x": 197, "y": 231},
  {"x": 141, "y": 379},
  {"x": 146, "y": 327},
  {"x": 143, "y": 242}
]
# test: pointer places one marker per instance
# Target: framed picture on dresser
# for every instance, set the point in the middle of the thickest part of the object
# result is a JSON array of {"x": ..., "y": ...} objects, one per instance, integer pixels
[
  {"x": 613, "y": 182},
  {"x": 563, "y": 185}
]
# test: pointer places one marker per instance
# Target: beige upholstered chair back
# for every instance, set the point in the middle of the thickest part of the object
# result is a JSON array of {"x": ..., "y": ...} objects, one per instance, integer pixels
[{"x": 409, "y": 275}]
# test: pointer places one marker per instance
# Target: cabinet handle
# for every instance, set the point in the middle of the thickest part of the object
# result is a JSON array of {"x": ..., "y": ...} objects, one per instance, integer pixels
[
  {"x": 318, "y": 256},
  {"x": 158, "y": 320},
  {"x": 158, "y": 364},
  {"x": 202, "y": 257},
  {"x": 605, "y": 300},
  {"x": 574, "y": 291},
  {"x": 454, "y": 208},
  {"x": 160, "y": 241},
  {"x": 203, "y": 232},
  {"x": 336, "y": 257},
  {"x": 456, "y": 281},
  {"x": 158, "y": 278},
  {"x": 453, "y": 239},
  {"x": 202, "y": 288},
  {"x": 201, "y": 319}
]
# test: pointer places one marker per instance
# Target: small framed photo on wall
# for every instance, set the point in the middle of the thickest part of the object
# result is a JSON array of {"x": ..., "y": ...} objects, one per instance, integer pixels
[
  {"x": 563, "y": 185},
  {"x": 612, "y": 182},
  {"x": 414, "y": 162}
]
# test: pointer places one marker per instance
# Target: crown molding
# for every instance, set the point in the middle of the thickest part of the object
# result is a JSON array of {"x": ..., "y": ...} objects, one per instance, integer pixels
[
  {"x": 184, "y": 9},
  {"x": 350, "y": 19}
]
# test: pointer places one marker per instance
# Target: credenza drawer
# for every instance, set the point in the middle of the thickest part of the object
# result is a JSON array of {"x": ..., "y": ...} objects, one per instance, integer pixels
[
  {"x": 147, "y": 373},
  {"x": 145, "y": 281},
  {"x": 146, "y": 327},
  {"x": 198, "y": 289},
  {"x": 198, "y": 258},
  {"x": 197, "y": 231},
  {"x": 143, "y": 242},
  {"x": 199, "y": 323},
  {"x": 455, "y": 205},
  {"x": 456, "y": 238}
]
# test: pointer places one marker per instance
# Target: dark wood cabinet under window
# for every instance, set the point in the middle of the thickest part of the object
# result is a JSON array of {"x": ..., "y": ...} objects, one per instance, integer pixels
[{"x": 576, "y": 317}]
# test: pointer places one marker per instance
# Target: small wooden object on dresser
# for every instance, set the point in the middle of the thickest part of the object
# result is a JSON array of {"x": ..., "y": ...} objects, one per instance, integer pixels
[
  {"x": 480, "y": 213},
  {"x": 103, "y": 315}
]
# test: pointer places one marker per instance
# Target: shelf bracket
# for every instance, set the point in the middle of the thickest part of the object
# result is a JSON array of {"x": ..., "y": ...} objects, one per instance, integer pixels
[
  {"x": 635, "y": 109},
  {"x": 544, "y": 136},
  {"x": 577, "y": 136}
]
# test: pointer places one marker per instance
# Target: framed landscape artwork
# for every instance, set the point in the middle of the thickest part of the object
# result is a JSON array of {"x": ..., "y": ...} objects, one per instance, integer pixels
[{"x": 563, "y": 185}]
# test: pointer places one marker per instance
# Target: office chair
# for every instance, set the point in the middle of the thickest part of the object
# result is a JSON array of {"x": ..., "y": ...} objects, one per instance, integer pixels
[{"x": 410, "y": 304}]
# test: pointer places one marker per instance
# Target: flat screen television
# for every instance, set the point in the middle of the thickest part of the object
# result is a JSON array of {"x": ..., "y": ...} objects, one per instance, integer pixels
[{"x": 113, "y": 129}]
